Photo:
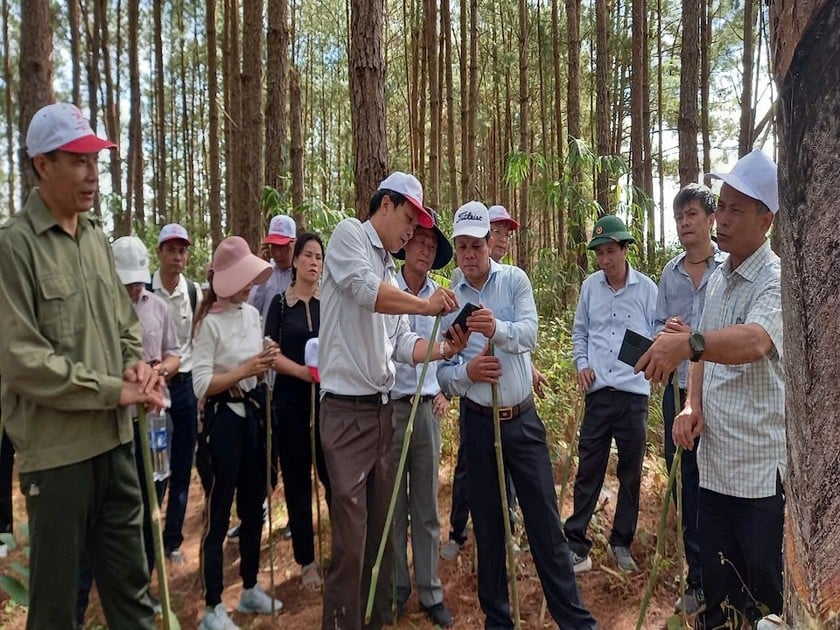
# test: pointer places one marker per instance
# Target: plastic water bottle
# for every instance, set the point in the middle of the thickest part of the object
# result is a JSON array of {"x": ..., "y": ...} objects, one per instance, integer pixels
[{"x": 159, "y": 433}]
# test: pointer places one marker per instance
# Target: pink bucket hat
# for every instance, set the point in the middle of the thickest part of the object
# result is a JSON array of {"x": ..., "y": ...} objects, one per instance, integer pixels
[{"x": 235, "y": 267}]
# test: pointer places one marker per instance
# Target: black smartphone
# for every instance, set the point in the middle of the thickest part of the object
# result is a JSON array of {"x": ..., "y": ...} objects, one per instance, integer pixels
[
  {"x": 468, "y": 309},
  {"x": 633, "y": 347}
]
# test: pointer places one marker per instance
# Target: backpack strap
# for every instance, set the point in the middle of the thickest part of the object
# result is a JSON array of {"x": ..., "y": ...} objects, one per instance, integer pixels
[{"x": 191, "y": 290}]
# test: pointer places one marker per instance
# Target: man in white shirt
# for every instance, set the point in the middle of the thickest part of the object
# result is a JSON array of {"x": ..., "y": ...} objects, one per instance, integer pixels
[
  {"x": 182, "y": 296},
  {"x": 736, "y": 403},
  {"x": 363, "y": 330}
]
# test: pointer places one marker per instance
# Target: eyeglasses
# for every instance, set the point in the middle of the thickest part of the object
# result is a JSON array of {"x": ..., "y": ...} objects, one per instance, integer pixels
[{"x": 172, "y": 250}]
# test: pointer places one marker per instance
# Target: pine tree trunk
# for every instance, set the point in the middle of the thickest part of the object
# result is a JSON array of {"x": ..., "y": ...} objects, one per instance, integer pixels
[
  {"x": 35, "y": 75},
  {"x": 75, "y": 49},
  {"x": 250, "y": 225},
  {"x": 431, "y": 187},
  {"x": 7, "y": 108},
  {"x": 277, "y": 64},
  {"x": 214, "y": 200},
  {"x": 637, "y": 95},
  {"x": 705, "y": 74},
  {"x": 558, "y": 119},
  {"x": 233, "y": 107},
  {"x": 472, "y": 117},
  {"x": 687, "y": 121},
  {"x": 160, "y": 175},
  {"x": 806, "y": 44},
  {"x": 523, "y": 259},
  {"x": 367, "y": 99},
  {"x": 747, "y": 121},
  {"x": 297, "y": 148},
  {"x": 122, "y": 216},
  {"x": 134, "y": 196},
  {"x": 446, "y": 31},
  {"x": 602, "y": 99}
]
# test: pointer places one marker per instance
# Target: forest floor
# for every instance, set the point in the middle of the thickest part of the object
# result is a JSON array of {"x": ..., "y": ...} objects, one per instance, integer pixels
[{"x": 613, "y": 598}]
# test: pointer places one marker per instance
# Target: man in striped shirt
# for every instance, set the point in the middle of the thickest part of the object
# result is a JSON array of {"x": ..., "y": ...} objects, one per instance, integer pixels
[{"x": 736, "y": 403}]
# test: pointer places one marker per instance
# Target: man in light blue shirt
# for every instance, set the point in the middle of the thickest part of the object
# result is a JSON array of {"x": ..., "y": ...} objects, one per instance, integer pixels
[
  {"x": 507, "y": 317},
  {"x": 427, "y": 249},
  {"x": 612, "y": 300},
  {"x": 679, "y": 304}
]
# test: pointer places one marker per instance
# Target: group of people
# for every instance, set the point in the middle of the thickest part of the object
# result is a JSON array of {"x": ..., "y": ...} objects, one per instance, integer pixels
[{"x": 89, "y": 338}]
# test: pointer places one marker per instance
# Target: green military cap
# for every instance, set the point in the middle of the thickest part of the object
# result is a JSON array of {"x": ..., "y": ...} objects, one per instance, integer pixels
[{"x": 609, "y": 229}]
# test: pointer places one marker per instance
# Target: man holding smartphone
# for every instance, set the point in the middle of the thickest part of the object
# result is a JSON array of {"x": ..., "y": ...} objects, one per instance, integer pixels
[{"x": 507, "y": 317}]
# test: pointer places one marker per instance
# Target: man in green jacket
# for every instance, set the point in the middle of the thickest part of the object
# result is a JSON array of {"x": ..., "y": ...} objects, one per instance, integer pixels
[{"x": 70, "y": 357}]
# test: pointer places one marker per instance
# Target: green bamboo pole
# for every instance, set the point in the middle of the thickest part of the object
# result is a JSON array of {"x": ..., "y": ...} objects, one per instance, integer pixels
[
  {"x": 680, "y": 532},
  {"x": 315, "y": 478},
  {"x": 660, "y": 538},
  {"x": 409, "y": 429},
  {"x": 268, "y": 489},
  {"x": 500, "y": 470},
  {"x": 170, "y": 621}
]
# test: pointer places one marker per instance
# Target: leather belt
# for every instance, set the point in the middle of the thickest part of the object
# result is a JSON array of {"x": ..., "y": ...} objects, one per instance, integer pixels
[
  {"x": 368, "y": 399},
  {"x": 505, "y": 413},
  {"x": 410, "y": 399}
]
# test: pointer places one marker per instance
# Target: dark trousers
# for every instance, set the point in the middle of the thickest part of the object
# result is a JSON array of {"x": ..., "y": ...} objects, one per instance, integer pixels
[
  {"x": 7, "y": 463},
  {"x": 89, "y": 508},
  {"x": 459, "y": 513},
  {"x": 741, "y": 546},
  {"x": 609, "y": 414},
  {"x": 184, "y": 414},
  {"x": 526, "y": 457},
  {"x": 293, "y": 441},
  {"x": 237, "y": 457},
  {"x": 86, "y": 574},
  {"x": 358, "y": 442},
  {"x": 690, "y": 486}
]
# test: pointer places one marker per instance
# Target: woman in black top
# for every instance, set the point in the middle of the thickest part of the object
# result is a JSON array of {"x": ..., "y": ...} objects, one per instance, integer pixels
[{"x": 294, "y": 318}]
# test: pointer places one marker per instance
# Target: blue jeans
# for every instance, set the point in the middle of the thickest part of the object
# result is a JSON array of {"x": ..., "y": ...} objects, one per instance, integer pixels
[{"x": 184, "y": 414}]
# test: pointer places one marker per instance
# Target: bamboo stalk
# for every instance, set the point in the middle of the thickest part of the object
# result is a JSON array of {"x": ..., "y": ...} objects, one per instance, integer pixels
[
  {"x": 680, "y": 531},
  {"x": 170, "y": 621},
  {"x": 268, "y": 490},
  {"x": 315, "y": 478},
  {"x": 660, "y": 539},
  {"x": 500, "y": 470},
  {"x": 409, "y": 429}
]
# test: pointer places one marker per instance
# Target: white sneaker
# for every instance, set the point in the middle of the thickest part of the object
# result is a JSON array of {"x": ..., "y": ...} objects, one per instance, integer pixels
[
  {"x": 217, "y": 619},
  {"x": 580, "y": 564},
  {"x": 256, "y": 600}
]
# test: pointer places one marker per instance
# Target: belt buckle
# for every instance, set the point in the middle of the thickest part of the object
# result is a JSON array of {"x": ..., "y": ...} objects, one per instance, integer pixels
[{"x": 505, "y": 413}]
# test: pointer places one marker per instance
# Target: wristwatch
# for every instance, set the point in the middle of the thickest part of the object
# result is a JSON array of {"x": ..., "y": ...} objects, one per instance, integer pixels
[
  {"x": 163, "y": 370},
  {"x": 697, "y": 343}
]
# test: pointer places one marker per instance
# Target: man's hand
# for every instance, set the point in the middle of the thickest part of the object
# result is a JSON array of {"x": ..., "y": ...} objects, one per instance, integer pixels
[
  {"x": 663, "y": 357},
  {"x": 133, "y": 394},
  {"x": 146, "y": 377},
  {"x": 440, "y": 405},
  {"x": 456, "y": 341},
  {"x": 482, "y": 321},
  {"x": 442, "y": 301},
  {"x": 538, "y": 380},
  {"x": 484, "y": 369},
  {"x": 585, "y": 378},
  {"x": 688, "y": 425},
  {"x": 676, "y": 324}
]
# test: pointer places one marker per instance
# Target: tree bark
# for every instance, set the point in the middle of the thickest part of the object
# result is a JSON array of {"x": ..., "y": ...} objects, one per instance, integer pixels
[
  {"x": 122, "y": 214},
  {"x": 705, "y": 76},
  {"x": 523, "y": 259},
  {"x": 7, "y": 107},
  {"x": 805, "y": 37},
  {"x": 747, "y": 120},
  {"x": 367, "y": 98},
  {"x": 36, "y": 76},
  {"x": 637, "y": 95},
  {"x": 250, "y": 225},
  {"x": 446, "y": 31},
  {"x": 689, "y": 166},
  {"x": 558, "y": 119},
  {"x": 277, "y": 64},
  {"x": 602, "y": 99},
  {"x": 297, "y": 148},
  {"x": 431, "y": 187},
  {"x": 135, "y": 198},
  {"x": 160, "y": 175},
  {"x": 75, "y": 49},
  {"x": 233, "y": 107},
  {"x": 214, "y": 171}
]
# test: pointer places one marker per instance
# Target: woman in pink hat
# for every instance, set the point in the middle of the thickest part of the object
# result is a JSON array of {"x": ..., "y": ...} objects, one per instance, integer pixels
[{"x": 229, "y": 362}]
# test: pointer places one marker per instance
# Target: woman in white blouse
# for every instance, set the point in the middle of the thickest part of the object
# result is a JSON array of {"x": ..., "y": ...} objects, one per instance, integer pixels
[{"x": 229, "y": 361}]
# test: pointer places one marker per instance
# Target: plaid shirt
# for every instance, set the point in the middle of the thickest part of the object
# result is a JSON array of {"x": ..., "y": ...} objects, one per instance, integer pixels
[{"x": 743, "y": 443}]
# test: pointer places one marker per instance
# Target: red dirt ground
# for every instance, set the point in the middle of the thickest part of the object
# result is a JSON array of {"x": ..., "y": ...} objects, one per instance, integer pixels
[{"x": 613, "y": 598}]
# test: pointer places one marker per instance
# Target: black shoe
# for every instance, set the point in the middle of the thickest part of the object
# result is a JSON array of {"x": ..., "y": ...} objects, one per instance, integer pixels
[{"x": 439, "y": 615}]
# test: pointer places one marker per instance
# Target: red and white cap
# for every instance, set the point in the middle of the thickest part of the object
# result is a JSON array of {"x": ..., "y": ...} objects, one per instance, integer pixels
[
  {"x": 62, "y": 126},
  {"x": 172, "y": 231},
  {"x": 410, "y": 188},
  {"x": 310, "y": 357},
  {"x": 281, "y": 230},
  {"x": 500, "y": 213}
]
